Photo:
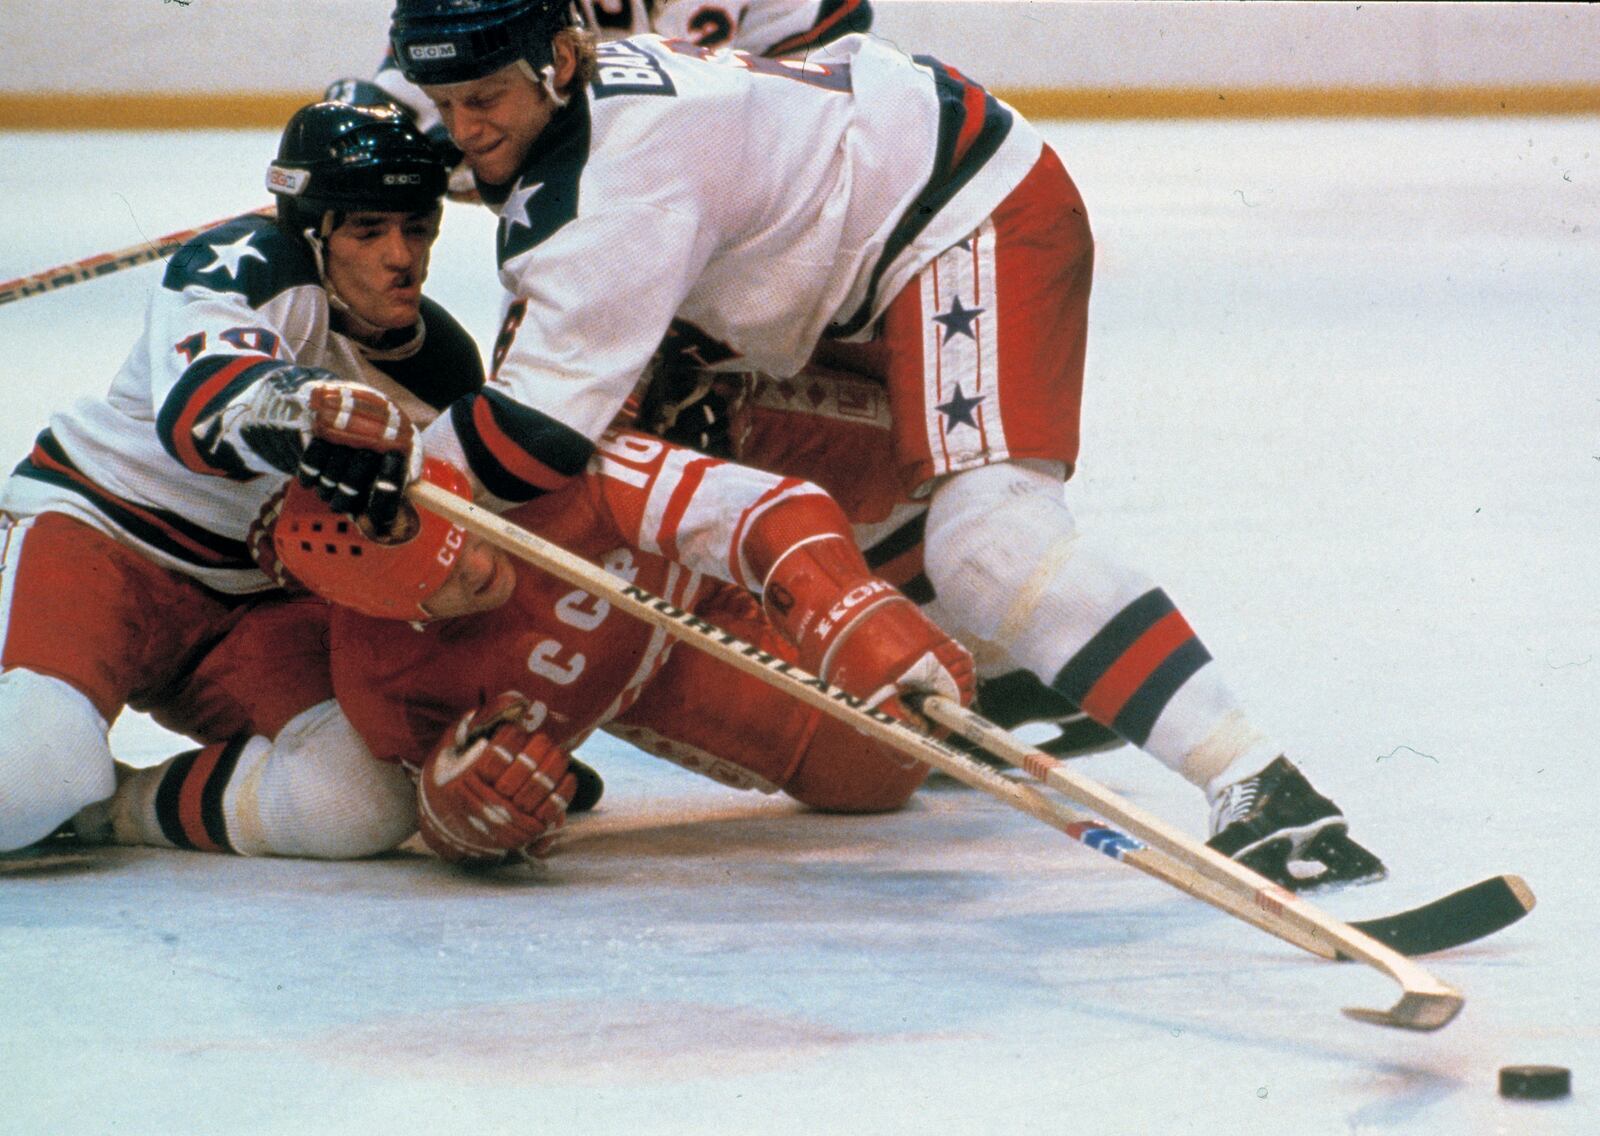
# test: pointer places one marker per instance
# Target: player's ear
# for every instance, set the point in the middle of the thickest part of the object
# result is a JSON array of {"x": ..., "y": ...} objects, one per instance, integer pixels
[{"x": 565, "y": 62}]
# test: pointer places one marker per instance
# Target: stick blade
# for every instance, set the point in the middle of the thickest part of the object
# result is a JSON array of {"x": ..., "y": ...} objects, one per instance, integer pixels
[
  {"x": 1421, "y": 1010},
  {"x": 1464, "y": 916}
]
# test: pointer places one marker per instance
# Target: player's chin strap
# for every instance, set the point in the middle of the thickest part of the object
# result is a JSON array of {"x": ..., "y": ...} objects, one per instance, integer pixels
[
  {"x": 317, "y": 238},
  {"x": 545, "y": 80},
  {"x": 1188, "y": 865}
]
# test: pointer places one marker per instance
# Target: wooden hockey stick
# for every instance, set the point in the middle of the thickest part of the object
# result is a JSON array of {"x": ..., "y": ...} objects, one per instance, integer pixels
[
  {"x": 1425, "y": 1003},
  {"x": 1464, "y": 916},
  {"x": 106, "y": 263}
]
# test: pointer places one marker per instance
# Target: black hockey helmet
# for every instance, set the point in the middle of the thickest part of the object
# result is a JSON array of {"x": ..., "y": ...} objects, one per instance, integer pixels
[
  {"x": 438, "y": 42},
  {"x": 335, "y": 157}
]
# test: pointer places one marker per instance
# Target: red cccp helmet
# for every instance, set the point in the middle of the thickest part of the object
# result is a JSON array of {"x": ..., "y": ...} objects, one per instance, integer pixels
[{"x": 337, "y": 558}]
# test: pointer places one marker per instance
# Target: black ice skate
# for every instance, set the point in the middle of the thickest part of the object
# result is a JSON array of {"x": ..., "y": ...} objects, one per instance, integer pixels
[
  {"x": 1277, "y": 825},
  {"x": 1331, "y": 858}
]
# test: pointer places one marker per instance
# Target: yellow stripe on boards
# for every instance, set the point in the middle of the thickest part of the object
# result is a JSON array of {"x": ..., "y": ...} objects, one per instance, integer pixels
[
  {"x": 144, "y": 110},
  {"x": 1153, "y": 103}
]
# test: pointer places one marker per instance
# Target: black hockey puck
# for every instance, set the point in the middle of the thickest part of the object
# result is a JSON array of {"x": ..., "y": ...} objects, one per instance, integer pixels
[{"x": 1535, "y": 1082}]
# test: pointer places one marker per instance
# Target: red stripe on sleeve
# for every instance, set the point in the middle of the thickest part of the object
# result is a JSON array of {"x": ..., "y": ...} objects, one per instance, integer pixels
[
  {"x": 816, "y": 32},
  {"x": 515, "y": 460},
  {"x": 1107, "y": 697},
  {"x": 689, "y": 482},
  {"x": 973, "y": 99},
  {"x": 183, "y": 429}
]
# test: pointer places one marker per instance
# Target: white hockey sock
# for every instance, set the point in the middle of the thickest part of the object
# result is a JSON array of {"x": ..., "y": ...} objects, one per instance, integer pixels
[
  {"x": 313, "y": 791},
  {"x": 54, "y": 759},
  {"x": 1021, "y": 587}
]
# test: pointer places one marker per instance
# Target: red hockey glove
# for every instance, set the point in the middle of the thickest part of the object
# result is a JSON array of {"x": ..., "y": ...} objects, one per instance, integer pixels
[
  {"x": 350, "y": 443},
  {"x": 877, "y": 644},
  {"x": 851, "y": 628},
  {"x": 493, "y": 790}
]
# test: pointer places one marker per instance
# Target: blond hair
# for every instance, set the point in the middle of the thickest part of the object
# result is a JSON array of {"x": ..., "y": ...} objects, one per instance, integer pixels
[{"x": 582, "y": 43}]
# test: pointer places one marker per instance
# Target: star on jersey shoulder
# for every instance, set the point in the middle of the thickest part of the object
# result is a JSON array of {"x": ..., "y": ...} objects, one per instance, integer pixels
[
  {"x": 515, "y": 211},
  {"x": 228, "y": 256},
  {"x": 958, "y": 320},
  {"x": 958, "y": 411}
]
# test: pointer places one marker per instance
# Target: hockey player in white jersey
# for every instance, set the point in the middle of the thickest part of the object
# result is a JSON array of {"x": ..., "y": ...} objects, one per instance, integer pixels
[
  {"x": 301, "y": 346},
  {"x": 761, "y": 27},
  {"x": 747, "y": 211}
]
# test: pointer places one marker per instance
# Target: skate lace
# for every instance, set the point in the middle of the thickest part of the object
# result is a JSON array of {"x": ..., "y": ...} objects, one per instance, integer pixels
[{"x": 1236, "y": 802}]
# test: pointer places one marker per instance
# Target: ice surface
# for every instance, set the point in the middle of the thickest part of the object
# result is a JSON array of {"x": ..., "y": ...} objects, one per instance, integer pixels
[{"x": 1342, "y": 402}]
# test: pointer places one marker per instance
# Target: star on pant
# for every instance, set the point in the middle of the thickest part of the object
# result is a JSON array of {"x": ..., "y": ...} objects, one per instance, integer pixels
[
  {"x": 958, "y": 411},
  {"x": 958, "y": 320}
]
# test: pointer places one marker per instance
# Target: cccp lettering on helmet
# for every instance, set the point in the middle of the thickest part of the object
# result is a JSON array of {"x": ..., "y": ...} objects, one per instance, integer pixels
[{"x": 451, "y": 548}]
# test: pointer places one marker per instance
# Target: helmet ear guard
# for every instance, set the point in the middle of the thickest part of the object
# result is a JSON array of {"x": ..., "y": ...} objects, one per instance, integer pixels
[
  {"x": 340, "y": 560},
  {"x": 440, "y": 42}
]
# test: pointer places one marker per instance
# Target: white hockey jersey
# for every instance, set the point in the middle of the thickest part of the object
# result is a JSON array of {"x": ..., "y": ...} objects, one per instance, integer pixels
[
  {"x": 236, "y": 304},
  {"x": 761, "y": 27},
  {"x": 738, "y": 208}
]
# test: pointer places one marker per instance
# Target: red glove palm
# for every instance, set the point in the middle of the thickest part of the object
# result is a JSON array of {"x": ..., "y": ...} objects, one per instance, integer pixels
[
  {"x": 493, "y": 790},
  {"x": 362, "y": 454}
]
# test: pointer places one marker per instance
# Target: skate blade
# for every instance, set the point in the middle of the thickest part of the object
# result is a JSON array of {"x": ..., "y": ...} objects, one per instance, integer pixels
[{"x": 1344, "y": 863}]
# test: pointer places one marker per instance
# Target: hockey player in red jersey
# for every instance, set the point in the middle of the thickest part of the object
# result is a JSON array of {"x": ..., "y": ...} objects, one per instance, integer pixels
[
  {"x": 268, "y": 348},
  {"x": 751, "y": 212},
  {"x": 483, "y": 705}
]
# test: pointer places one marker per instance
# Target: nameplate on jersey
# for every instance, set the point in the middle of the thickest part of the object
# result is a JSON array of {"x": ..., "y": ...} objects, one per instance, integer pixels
[{"x": 625, "y": 69}]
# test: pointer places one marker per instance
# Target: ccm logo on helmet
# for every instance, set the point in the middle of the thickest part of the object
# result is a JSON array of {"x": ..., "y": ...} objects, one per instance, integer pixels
[
  {"x": 432, "y": 51},
  {"x": 402, "y": 179},
  {"x": 292, "y": 182}
]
